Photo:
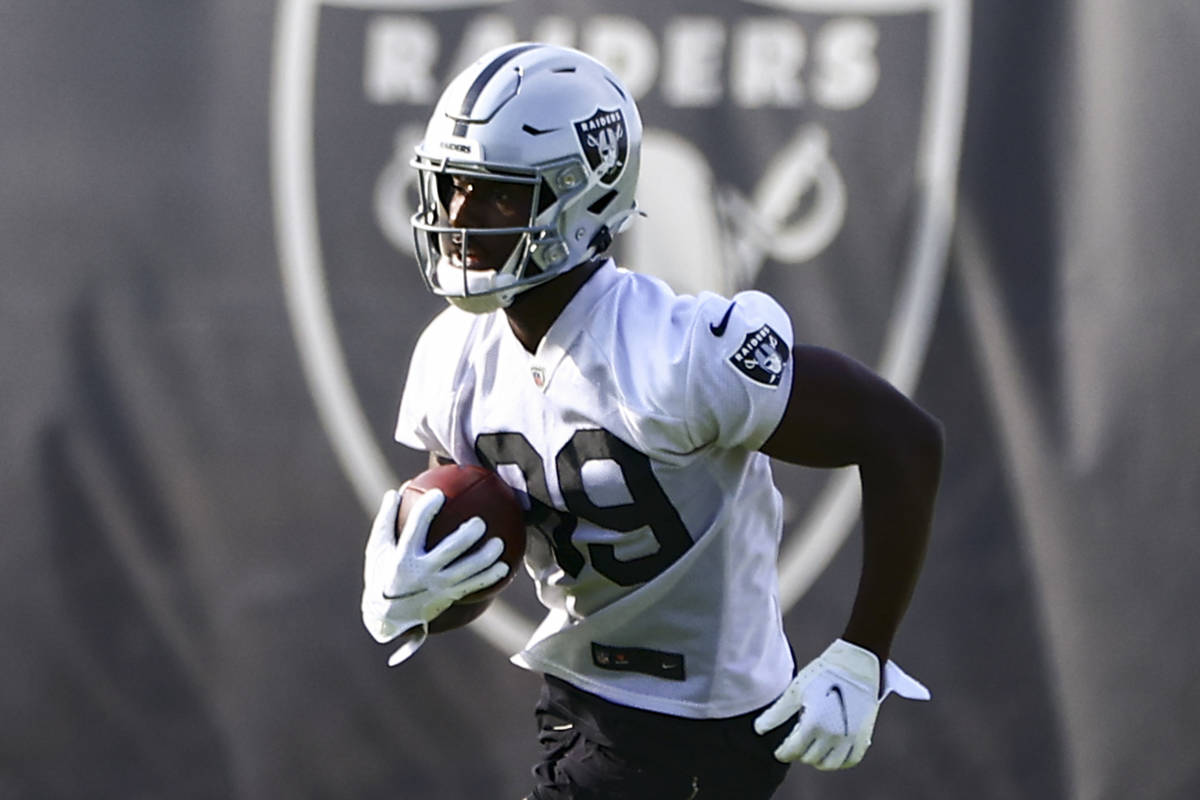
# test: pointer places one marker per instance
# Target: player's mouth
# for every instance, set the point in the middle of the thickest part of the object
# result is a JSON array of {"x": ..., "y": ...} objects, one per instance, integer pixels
[
  {"x": 472, "y": 261},
  {"x": 477, "y": 256}
]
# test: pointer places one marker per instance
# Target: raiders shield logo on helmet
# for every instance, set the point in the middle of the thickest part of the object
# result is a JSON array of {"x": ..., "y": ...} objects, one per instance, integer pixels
[{"x": 605, "y": 145}]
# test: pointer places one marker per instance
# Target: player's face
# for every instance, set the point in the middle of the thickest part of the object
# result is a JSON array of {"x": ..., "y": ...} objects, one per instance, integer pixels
[{"x": 476, "y": 203}]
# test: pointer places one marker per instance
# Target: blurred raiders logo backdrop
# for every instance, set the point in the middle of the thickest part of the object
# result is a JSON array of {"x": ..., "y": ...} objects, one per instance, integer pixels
[{"x": 806, "y": 147}]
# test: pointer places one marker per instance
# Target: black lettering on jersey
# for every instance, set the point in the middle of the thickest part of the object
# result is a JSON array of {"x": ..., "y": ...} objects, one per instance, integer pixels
[
  {"x": 542, "y": 517},
  {"x": 649, "y": 508},
  {"x": 762, "y": 356}
]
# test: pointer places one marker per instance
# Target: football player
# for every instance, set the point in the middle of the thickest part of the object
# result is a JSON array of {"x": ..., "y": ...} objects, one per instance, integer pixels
[{"x": 639, "y": 425}]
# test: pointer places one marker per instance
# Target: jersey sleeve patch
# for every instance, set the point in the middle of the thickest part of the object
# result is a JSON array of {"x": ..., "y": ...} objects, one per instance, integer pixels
[
  {"x": 761, "y": 356},
  {"x": 740, "y": 370}
]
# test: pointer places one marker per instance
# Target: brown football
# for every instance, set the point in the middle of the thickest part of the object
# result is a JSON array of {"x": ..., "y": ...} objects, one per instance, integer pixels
[{"x": 470, "y": 491}]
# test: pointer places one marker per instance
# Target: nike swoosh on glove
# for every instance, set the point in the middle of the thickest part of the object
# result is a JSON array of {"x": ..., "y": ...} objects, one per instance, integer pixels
[
  {"x": 405, "y": 587},
  {"x": 838, "y": 698}
]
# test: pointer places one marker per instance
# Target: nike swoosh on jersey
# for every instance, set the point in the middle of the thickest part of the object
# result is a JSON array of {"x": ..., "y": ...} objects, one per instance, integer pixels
[{"x": 718, "y": 330}]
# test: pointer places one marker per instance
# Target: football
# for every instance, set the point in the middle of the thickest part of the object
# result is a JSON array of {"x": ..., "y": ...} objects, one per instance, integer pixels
[{"x": 470, "y": 491}]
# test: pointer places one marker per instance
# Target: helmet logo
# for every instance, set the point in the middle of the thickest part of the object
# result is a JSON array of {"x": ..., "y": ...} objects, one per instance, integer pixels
[{"x": 605, "y": 143}]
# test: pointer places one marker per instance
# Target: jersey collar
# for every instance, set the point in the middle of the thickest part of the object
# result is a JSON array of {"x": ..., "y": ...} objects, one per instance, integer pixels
[{"x": 570, "y": 324}]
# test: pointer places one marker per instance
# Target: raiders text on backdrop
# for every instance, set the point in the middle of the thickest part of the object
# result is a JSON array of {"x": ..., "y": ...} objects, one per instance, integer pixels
[{"x": 762, "y": 62}]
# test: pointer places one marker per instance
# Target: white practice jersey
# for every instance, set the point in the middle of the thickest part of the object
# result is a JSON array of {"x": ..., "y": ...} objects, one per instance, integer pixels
[{"x": 654, "y": 523}]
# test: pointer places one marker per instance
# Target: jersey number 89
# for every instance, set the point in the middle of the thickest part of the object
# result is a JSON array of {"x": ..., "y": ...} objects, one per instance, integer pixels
[{"x": 649, "y": 507}]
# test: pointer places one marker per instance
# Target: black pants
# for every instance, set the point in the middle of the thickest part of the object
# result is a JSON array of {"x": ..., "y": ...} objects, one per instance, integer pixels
[{"x": 592, "y": 748}]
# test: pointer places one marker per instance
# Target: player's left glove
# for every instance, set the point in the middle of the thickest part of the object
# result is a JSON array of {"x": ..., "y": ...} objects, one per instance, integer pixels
[{"x": 838, "y": 698}]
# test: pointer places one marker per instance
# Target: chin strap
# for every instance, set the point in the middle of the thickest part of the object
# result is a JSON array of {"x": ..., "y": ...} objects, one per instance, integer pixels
[{"x": 484, "y": 288}]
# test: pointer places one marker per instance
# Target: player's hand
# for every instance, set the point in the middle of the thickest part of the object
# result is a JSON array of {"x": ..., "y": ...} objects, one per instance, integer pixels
[
  {"x": 405, "y": 587},
  {"x": 838, "y": 697}
]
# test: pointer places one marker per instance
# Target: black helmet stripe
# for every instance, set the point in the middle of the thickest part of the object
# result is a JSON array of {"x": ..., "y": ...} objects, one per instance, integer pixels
[{"x": 481, "y": 80}]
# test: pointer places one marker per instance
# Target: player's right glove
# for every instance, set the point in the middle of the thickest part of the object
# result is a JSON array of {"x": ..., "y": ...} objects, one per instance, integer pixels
[
  {"x": 838, "y": 697},
  {"x": 405, "y": 587}
]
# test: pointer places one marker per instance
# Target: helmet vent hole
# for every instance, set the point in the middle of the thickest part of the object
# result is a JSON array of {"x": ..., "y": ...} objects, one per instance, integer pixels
[
  {"x": 601, "y": 204},
  {"x": 564, "y": 69},
  {"x": 546, "y": 197}
]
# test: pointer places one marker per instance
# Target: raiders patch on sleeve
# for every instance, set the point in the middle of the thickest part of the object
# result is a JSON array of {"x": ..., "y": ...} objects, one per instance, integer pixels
[{"x": 762, "y": 356}]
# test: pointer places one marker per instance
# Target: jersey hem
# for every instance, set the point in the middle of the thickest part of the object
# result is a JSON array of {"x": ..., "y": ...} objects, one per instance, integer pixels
[{"x": 661, "y": 705}]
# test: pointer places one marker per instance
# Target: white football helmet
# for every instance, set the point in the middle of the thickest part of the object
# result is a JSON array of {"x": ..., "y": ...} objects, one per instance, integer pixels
[{"x": 546, "y": 116}]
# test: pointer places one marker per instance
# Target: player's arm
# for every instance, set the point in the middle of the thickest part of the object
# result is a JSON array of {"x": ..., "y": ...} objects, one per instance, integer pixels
[{"x": 840, "y": 413}]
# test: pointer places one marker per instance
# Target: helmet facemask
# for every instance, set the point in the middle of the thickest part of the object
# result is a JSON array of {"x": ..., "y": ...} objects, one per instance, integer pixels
[{"x": 537, "y": 256}]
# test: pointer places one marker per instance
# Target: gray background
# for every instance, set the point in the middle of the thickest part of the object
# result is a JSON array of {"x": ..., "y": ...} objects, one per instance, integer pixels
[{"x": 181, "y": 552}]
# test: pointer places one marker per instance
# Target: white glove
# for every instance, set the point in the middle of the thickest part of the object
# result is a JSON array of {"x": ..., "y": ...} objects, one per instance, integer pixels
[
  {"x": 404, "y": 587},
  {"x": 838, "y": 698}
]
